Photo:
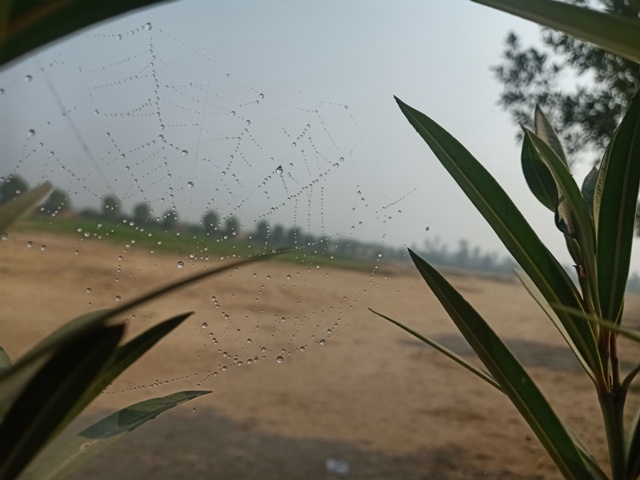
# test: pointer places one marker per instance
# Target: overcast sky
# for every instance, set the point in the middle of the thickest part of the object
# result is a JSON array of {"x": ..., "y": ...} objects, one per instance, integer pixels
[{"x": 196, "y": 104}]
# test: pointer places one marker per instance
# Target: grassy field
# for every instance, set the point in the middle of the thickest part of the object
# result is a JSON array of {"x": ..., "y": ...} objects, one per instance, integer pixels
[{"x": 196, "y": 244}]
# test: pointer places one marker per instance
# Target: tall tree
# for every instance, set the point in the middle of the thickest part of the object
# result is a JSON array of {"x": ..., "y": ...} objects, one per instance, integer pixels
[
  {"x": 262, "y": 231},
  {"x": 210, "y": 221},
  {"x": 111, "y": 208},
  {"x": 169, "y": 220},
  {"x": 586, "y": 112},
  {"x": 11, "y": 187},
  {"x": 231, "y": 226},
  {"x": 57, "y": 201},
  {"x": 277, "y": 235},
  {"x": 142, "y": 213}
]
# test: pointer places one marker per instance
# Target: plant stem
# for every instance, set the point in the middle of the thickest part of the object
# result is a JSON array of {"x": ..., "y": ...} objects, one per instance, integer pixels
[{"x": 612, "y": 407}]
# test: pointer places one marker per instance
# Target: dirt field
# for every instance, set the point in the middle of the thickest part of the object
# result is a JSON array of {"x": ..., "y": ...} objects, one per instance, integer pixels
[{"x": 371, "y": 396}]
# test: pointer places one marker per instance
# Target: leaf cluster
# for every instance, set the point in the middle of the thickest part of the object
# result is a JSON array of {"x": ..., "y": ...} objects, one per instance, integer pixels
[{"x": 597, "y": 221}]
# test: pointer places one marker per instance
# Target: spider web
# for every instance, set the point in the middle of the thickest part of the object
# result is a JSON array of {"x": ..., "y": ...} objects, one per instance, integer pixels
[{"x": 153, "y": 119}]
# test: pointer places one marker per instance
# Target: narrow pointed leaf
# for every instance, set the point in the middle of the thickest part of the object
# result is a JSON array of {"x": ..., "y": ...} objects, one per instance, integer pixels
[
  {"x": 510, "y": 226},
  {"x": 512, "y": 377},
  {"x": 540, "y": 300},
  {"x": 588, "y": 190},
  {"x": 613, "y": 33},
  {"x": 22, "y": 205},
  {"x": 617, "y": 191},
  {"x": 572, "y": 212},
  {"x": 66, "y": 457},
  {"x": 36, "y": 414},
  {"x": 545, "y": 131},
  {"x": 445, "y": 351},
  {"x": 33, "y": 24},
  {"x": 538, "y": 177},
  {"x": 5, "y": 360}
]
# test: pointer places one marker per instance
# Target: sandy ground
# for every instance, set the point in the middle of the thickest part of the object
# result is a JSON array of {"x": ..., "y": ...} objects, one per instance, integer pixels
[{"x": 371, "y": 396}]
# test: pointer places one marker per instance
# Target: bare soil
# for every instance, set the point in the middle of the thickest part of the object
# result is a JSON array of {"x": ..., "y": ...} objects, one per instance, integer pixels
[{"x": 372, "y": 396}]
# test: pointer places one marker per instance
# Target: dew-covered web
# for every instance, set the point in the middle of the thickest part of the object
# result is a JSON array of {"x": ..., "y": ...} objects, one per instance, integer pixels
[{"x": 148, "y": 118}]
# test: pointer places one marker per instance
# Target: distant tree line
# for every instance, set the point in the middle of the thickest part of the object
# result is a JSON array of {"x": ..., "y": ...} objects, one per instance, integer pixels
[{"x": 277, "y": 236}]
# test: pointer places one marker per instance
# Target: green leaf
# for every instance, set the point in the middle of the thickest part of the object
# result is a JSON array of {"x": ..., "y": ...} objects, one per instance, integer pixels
[
  {"x": 21, "y": 205},
  {"x": 14, "y": 380},
  {"x": 511, "y": 227},
  {"x": 64, "y": 458},
  {"x": 35, "y": 417},
  {"x": 512, "y": 377},
  {"x": 544, "y": 130},
  {"x": 613, "y": 33},
  {"x": 617, "y": 193},
  {"x": 33, "y": 24},
  {"x": 588, "y": 189},
  {"x": 5, "y": 360},
  {"x": 445, "y": 351},
  {"x": 538, "y": 177},
  {"x": 124, "y": 356}
]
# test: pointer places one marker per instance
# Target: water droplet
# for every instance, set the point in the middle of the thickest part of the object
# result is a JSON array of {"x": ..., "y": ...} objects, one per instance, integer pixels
[
  {"x": 302, "y": 348},
  {"x": 322, "y": 342},
  {"x": 204, "y": 325},
  {"x": 118, "y": 298},
  {"x": 31, "y": 132},
  {"x": 288, "y": 277},
  {"x": 263, "y": 349},
  {"x": 119, "y": 37},
  {"x": 261, "y": 96},
  {"x": 28, "y": 78},
  {"x": 185, "y": 152},
  {"x": 426, "y": 229},
  {"x": 1, "y": 91},
  {"x": 43, "y": 247},
  {"x": 248, "y": 122},
  {"x": 293, "y": 144},
  {"x": 233, "y": 113},
  {"x": 5, "y": 236},
  {"x": 279, "y": 359},
  {"x": 279, "y": 170},
  {"x": 189, "y": 184},
  {"x": 148, "y": 26},
  {"x": 88, "y": 289},
  {"x": 29, "y": 244}
]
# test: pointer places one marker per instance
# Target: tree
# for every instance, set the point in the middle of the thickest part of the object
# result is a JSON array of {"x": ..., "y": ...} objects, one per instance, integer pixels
[
  {"x": 142, "y": 213},
  {"x": 586, "y": 116},
  {"x": 111, "y": 208},
  {"x": 11, "y": 187},
  {"x": 210, "y": 222},
  {"x": 294, "y": 237},
  {"x": 262, "y": 231},
  {"x": 277, "y": 235},
  {"x": 57, "y": 201},
  {"x": 169, "y": 220},
  {"x": 231, "y": 226}
]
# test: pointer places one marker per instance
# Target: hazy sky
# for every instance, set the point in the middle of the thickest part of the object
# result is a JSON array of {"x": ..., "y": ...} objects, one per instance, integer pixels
[{"x": 195, "y": 104}]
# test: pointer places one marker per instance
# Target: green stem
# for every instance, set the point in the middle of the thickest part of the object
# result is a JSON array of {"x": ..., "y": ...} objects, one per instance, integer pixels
[{"x": 612, "y": 406}]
